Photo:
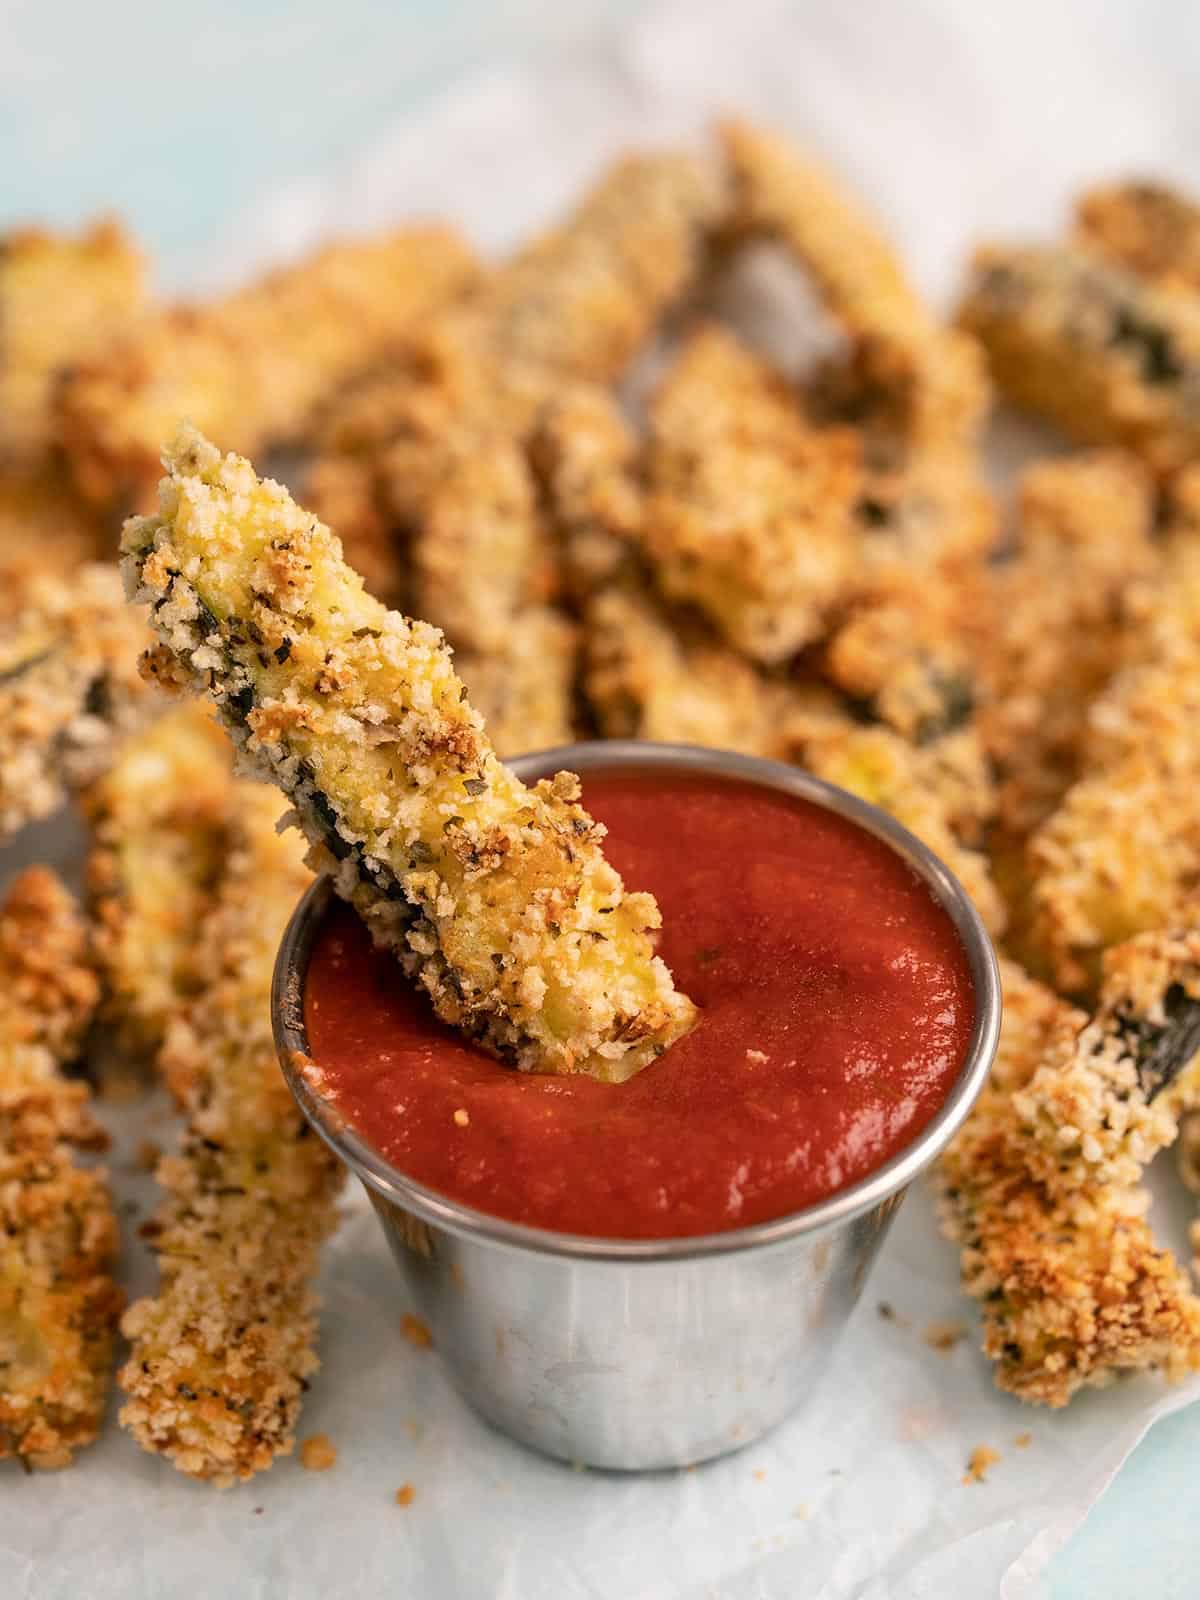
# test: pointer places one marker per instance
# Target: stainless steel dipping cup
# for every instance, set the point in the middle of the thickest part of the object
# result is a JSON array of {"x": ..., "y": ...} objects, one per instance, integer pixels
[{"x": 637, "y": 1354}]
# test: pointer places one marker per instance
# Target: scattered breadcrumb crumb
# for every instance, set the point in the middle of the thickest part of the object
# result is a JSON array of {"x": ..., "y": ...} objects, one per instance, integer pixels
[
  {"x": 888, "y": 1312},
  {"x": 147, "y": 1155},
  {"x": 760, "y": 1474},
  {"x": 943, "y": 1336},
  {"x": 1023, "y": 1441},
  {"x": 405, "y": 1494},
  {"x": 415, "y": 1331},
  {"x": 757, "y": 1056},
  {"x": 318, "y": 1453},
  {"x": 461, "y": 1117},
  {"x": 982, "y": 1458}
]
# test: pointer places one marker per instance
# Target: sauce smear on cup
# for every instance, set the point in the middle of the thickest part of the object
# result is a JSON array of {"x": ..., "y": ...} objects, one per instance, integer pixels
[{"x": 836, "y": 1007}]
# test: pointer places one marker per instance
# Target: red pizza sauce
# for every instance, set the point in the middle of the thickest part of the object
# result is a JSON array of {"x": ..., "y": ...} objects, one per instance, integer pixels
[{"x": 836, "y": 1007}]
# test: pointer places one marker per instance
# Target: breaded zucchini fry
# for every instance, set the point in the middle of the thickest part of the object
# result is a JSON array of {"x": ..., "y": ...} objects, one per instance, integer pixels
[
  {"x": 580, "y": 299},
  {"x": 220, "y": 1357},
  {"x": 496, "y": 897},
  {"x": 932, "y": 797},
  {"x": 1121, "y": 853},
  {"x": 1098, "y": 1114},
  {"x": 251, "y": 368},
  {"x": 159, "y": 822},
  {"x": 1057, "y": 621},
  {"x": 1109, "y": 358},
  {"x": 748, "y": 513},
  {"x": 58, "y": 1235},
  {"x": 1073, "y": 1289},
  {"x": 653, "y": 674},
  {"x": 62, "y": 298},
  {"x": 585, "y": 458},
  {"x": 524, "y": 689},
  {"x": 1146, "y": 228},
  {"x": 69, "y": 688}
]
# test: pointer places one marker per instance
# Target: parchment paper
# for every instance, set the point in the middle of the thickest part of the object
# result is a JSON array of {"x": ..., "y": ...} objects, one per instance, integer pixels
[{"x": 953, "y": 122}]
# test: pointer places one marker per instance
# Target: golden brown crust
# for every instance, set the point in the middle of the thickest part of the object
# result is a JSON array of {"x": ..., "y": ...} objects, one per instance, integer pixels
[
  {"x": 748, "y": 510},
  {"x": 159, "y": 823},
  {"x": 252, "y": 368},
  {"x": 62, "y": 298},
  {"x": 1145, "y": 227},
  {"x": 1107, "y": 357},
  {"x": 220, "y": 1357},
  {"x": 58, "y": 1236},
  {"x": 1073, "y": 1289},
  {"x": 70, "y": 688}
]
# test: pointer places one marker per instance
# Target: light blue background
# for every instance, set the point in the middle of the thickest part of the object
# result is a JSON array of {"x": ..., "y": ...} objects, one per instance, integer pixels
[{"x": 177, "y": 117}]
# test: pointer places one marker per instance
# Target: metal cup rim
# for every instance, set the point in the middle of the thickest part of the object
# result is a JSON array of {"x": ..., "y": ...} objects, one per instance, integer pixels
[{"x": 877, "y": 1189}]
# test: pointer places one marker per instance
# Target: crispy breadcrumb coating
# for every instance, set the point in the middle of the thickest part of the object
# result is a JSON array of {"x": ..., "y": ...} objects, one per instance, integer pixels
[
  {"x": 917, "y": 787},
  {"x": 1058, "y": 619},
  {"x": 582, "y": 298},
  {"x": 1144, "y": 227},
  {"x": 221, "y": 1356},
  {"x": 496, "y": 897},
  {"x": 524, "y": 688},
  {"x": 251, "y": 368},
  {"x": 1106, "y": 356},
  {"x": 58, "y": 1235},
  {"x": 748, "y": 513},
  {"x": 1098, "y": 1114},
  {"x": 159, "y": 822},
  {"x": 69, "y": 687},
  {"x": 62, "y": 298},
  {"x": 1121, "y": 853},
  {"x": 1073, "y": 1289}
]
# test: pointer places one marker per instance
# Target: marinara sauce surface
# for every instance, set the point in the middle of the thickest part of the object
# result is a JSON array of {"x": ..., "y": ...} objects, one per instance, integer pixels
[{"x": 836, "y": 1005}]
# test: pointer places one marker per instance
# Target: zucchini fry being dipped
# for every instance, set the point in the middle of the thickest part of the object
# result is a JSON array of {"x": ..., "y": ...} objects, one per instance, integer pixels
[
  {"x": 496, "y": 897},
  {"x": 58, "y": 1233},
  {"x": 221, "y": 1355},
  {"x": 69, "y": 687}
]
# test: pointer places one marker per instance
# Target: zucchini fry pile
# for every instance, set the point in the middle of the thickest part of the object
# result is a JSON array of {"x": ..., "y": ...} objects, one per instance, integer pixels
[
  {"x": 626, "y": 519},
  {"x": 58, "y": 1234},
  {"x": 220, "y": 1357}
]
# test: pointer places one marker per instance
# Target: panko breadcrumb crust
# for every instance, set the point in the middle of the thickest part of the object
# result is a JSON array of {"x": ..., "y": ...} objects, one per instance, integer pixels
[
  {"x": 59, "y": 1304},
  {"x": 221, "y": 1356},
  {"x": 496, "y": 897},
  {"x": 70, "y": 688}
]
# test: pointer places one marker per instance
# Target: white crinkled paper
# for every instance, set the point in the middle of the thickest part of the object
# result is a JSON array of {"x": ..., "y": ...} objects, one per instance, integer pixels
[{"x": 952, "y": 122}]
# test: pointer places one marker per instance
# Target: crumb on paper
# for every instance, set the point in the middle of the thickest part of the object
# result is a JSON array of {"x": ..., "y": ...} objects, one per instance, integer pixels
[
  {"x": 405, "y": 1494},
  {"x": 759, "y": 1474},
  {"x": 802, "y": 1512},
  {"x": 258, "y": 1511},
  {"x": 889, "y": 1313},
  {"x": 461, "y": 1117},
  {"x": 981, "y": 1459},
  {"x": 147, "y": 1155},
  {"x": 943, "y": 1336},
  {"x": 318, "y": 1453},
  {"x": 1023, "y": 1441},
  {"x": 415, "y": 1331},
  {"x": 759, "y": 1057}
]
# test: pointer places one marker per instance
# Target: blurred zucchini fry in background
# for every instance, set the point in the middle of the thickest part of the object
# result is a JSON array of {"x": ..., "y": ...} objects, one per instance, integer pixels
[
  {"x": 70, "y": 688},
  {"x": 159, "y": 822},
  {"x": 58, "y": 1234}
]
